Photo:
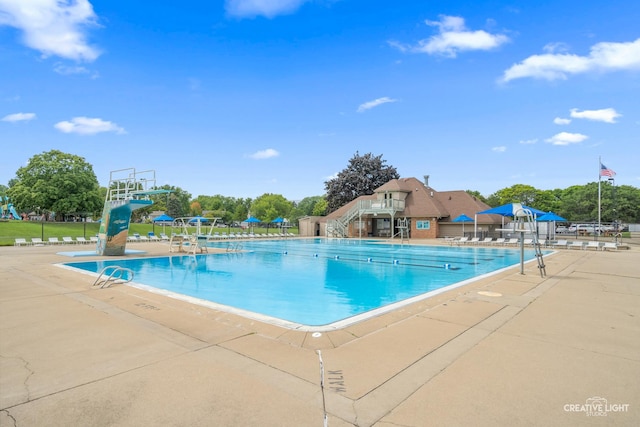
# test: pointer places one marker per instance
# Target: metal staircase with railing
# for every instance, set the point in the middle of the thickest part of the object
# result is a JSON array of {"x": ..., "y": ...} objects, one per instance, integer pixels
[{"x": 340, "y": 227}]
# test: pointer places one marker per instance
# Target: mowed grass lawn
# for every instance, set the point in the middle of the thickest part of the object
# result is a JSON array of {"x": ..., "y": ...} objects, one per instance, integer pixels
[{"x": 12, "y": 230}]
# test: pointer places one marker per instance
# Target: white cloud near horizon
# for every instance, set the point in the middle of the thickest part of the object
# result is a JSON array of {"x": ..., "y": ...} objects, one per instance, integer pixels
[
  {"x": 566, "y": 138},
  {"x": 376, "y": 102},
  {"x": 265, "y": 154},
  {"x": 499, "y": 149},
  {"x": 607, "y": 115},
  {"x": 603, "y": 57},
  {"x": 53, "y": 27},
  {"x": 19, "y": 117},
  {"x": 561, "y": 121},
  {"x": 266, "y": 8},
  {"x": 67, "y": 70},
  {"x": 528, "y": 141},
  {"x": 453, "y": 38},
  {"x": 88, "y": 126}
]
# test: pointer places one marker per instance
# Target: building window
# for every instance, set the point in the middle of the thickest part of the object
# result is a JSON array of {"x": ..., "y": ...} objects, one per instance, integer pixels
[{"x": 423, "y": 225}]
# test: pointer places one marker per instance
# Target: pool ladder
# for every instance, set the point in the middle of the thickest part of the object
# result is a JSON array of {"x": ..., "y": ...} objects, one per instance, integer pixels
[
  {"x": 234, "y": 246},
  {"x": 117, "y": 275}
]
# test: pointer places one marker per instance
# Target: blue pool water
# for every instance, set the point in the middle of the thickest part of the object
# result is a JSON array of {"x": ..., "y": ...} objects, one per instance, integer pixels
[{"x": 316, "y": 281}]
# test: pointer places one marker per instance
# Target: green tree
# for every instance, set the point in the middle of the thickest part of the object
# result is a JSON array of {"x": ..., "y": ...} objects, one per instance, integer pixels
[
  {"x": 241, "y": 211},
  {"x": 361, "y": 177},
  {"x": 477, "y": 195},
  {"x": 56, "y": 182},
  {"x": 306, "y": 207},
  {"x": 320, "y": 208},
  {"x": 626, "y": 204},
  {"x": 519, "y": 193},
  {"x": 270, "y": 206},
  {"x": 174, "y": 207}
]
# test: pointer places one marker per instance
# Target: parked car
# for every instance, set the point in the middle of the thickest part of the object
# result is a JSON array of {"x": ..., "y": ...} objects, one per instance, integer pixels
[
  {"x": 584, "y": 228},
  {"x": 562, "y": 229}
]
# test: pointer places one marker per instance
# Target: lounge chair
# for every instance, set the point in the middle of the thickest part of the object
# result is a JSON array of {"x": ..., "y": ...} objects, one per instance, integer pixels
[
  {"x": 21, "y": 242},
  {"x": 37, "y": 241},
  {"x": 143, "y": 239},
  {"x": 576, "y": 244},
  {"x": 462, "y": 240},
  {"x": 561, "y": 243},
  {"x": 593, "y": 245},
  {"x": 81, "y": 240},
  {"x": 93, "y": 239},
  {"x": 68, "y": 240},
  {"x": 512, "y": 242},
  {"x": 164, "y": 237},
  {"x": 53, "y": 241},
  {"x": 474, "y": 241},
  {"x": 610, "y": 246},
  {"x": 499, "y": 241},
  {"x": 528, "y": 242},
  {"x": 487, "y": 241}
]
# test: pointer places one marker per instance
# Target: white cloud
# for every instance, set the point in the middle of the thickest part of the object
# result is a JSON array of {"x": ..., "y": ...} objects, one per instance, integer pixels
[
  {"x": 66, "y": 70},
  {"x": 88, "y": 126},
  {"x": 529, "y": 141},
  {"x": 566, "y": 138},
  {"x": 19, "y": 117},
  {"x": 376, "y": 102},
  {"x": 603, "y": 57},
  {"x": 556, "y": 47},
  {"x": 607, "y": 115},
  {"x": 53, "y": 27},
  {"x": 265, "y": 154},
  {"x": 453, "y": 38},
  {"x": 267, "y": 8},
  {"x": 561, "y": 121},
  {"x": 500, "y": 149}
]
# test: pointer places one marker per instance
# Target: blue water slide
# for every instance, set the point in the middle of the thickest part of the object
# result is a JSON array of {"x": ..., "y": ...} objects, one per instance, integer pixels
[{"x": 13, "y": 212}]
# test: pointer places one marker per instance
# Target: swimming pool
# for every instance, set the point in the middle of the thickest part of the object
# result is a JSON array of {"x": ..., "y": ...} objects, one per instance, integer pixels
[{"x": 313, "y": 283}]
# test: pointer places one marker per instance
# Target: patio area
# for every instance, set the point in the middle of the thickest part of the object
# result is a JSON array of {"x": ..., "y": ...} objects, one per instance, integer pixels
[{"x": 509, "y": 349}]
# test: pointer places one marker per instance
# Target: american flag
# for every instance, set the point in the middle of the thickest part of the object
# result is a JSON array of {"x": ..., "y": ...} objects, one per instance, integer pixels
[{"x": 605, "y": 171}]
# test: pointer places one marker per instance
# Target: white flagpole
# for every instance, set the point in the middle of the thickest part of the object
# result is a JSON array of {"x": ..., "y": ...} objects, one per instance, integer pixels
[{"x": 599, "y": 192}]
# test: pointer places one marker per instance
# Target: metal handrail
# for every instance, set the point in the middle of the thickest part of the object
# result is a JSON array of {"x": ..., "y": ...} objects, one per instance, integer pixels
[{"x": 116, "y": 276}]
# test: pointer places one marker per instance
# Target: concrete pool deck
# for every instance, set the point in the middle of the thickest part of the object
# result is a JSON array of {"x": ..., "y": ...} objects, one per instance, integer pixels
[{"x": 509, "y": 349}]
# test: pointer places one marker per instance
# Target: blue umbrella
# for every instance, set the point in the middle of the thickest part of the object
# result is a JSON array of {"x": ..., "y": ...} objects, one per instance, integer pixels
[
  {"x": 507, "y": 210},
  {"x": 550, "y": 216},
  {"x": 198, "y": 219},
  {"x": 163, "y": 218},
  {"x": 462, "y": 218},
  {"x": 278, "y": 220},
  {"x": 252, "y": 220}
]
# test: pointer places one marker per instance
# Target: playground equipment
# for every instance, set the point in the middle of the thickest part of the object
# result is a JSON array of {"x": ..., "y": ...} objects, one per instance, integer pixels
[
  {"x": 128, "y": 190},
  {"x": 7, "y": 211}
]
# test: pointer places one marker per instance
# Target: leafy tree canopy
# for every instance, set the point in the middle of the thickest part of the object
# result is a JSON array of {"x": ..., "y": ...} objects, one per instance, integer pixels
[
  {"x": 56, "y": 182},
  {"x": 270, "y": 206},
  {"x": 307, "y": 206},
  {"x": 361, "y": 177}
]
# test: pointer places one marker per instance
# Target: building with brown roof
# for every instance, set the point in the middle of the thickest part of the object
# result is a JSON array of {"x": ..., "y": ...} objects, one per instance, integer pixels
[{"x": 404, "y": 207}]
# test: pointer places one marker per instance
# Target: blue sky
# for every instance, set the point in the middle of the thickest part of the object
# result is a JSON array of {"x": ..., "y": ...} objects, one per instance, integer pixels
[{"x": 246, "y": 97}]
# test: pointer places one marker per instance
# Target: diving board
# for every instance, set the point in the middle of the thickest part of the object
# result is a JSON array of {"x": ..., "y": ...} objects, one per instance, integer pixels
[{"x": 128, "y": 190}]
